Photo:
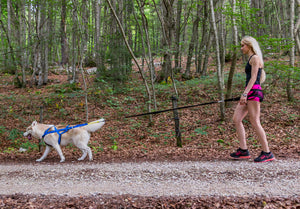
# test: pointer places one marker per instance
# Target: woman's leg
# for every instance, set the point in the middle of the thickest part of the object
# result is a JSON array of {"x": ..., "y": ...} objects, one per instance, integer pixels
[
  {"x": 254, "y": 114},
  {"x": 238, "y": 116}
]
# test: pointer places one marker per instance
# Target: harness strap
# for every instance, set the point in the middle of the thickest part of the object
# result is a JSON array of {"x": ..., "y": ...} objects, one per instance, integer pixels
[{"x": 61, "y": 131}]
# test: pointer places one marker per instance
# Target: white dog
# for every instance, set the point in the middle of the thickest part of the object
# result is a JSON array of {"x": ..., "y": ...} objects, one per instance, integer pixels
[{"x": 79, "y": 136}]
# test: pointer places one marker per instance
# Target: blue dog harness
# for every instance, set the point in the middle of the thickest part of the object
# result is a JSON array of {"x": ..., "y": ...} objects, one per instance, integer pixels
[{"x": 61, "y": 131}]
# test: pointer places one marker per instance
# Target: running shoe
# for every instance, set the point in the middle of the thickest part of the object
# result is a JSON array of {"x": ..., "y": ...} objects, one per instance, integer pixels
[
  {"x": 264, "y": 157},
  {"x": 240, "y": 154}
]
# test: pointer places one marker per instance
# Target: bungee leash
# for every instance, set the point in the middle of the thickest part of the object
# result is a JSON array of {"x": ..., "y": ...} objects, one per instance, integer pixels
[
  {"x": 184, "y": 107},
  {"x": 68, "y": 127}
]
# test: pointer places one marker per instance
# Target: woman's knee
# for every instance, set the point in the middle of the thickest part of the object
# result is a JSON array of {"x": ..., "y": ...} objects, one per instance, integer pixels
[
  {"x": 255, "y": 122},
  {"x": 237, "y": 119}
]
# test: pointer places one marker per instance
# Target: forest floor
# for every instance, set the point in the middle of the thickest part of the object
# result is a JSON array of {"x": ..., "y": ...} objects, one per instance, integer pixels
[{"x": 153, "y": 171}]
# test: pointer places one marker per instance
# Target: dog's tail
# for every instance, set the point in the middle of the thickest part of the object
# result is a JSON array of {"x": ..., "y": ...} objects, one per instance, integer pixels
[{"x": 95, "y": 125}]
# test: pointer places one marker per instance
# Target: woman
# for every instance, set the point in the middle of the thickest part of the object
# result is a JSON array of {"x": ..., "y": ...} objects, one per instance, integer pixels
[{"x": 250, "y": 102}]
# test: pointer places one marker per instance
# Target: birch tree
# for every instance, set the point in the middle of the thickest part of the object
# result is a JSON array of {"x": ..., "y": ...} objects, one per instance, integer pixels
[
  {"x": 37, "y": 47},
  {"x": 98, "y": 45},
  {"x": 177, "y": 33},
  {"x": 219, "y": 68},
  {"x": 44, "y": 44},
  {"x": 292, "y": 51},
  {"x": 146, "y": 43},
  {"x": 297, "y": 27},
  {"x": 132, "y": 54},
  {"x": 235, "y": 49}
]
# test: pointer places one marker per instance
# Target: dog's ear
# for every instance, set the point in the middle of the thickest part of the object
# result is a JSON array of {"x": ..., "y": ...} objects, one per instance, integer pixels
[{"x": 34, "y": 123}]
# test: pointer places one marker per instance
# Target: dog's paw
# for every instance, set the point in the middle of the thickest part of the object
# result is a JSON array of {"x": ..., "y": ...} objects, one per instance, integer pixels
[
  {"x": 39, "y": 160},
  {"x": 80, "y": 159},
  {"x": 62, "y": 160}
]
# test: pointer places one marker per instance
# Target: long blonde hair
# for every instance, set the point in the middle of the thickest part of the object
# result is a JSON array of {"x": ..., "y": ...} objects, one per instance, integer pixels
[{"x": 253, "y": 44}]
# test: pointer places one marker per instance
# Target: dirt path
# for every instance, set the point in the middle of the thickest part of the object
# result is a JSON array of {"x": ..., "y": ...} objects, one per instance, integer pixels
[{"x": 216, "y": 178}]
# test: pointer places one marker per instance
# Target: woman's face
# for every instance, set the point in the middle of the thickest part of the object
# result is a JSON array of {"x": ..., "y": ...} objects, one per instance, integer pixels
[{"x": 245, "y": 48}]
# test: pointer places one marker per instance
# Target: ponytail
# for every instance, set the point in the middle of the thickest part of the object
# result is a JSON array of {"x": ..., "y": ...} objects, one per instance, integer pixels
[{"x": 262, "y": 76}]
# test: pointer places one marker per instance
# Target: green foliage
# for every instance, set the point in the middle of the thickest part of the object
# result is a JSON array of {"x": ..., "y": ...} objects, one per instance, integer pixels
[
  {"x": 228, "y": 57},
  {"x": 247, "y": 18},
  {"x": 221, "y": 141},
  {"x": 115, "y": 145},
  {"x": 97, "y": 149},
  {"x": 29, "y": 146},
  {"x": 67, "y": 88},
  {"x": 89, "y": 61},
  {"x": 281, "y": 70},
  {"x": 15, "y": 134},
  {"x": 2, "y": 130},
  {"x": 113, "y": 102},
  {"x": 9, "y": 150},
  {"x": 202, "y": 130}
]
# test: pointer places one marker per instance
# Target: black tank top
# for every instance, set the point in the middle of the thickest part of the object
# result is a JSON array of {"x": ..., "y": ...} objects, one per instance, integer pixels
[{"x": 248, "y": 69}]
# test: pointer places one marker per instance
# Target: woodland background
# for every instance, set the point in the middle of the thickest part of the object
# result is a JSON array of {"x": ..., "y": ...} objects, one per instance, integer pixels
[
  {"x": 97, "y": 54},
  {"x": 73, "y": 61}
]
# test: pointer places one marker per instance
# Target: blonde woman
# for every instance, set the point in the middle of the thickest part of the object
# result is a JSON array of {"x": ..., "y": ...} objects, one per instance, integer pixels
[{"x": 250, "y": 101}]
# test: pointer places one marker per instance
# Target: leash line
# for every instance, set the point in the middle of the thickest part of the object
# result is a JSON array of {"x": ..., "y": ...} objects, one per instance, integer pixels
[
  {"x": 183, "y": 107},
  {"x": 68, "y": 127}
]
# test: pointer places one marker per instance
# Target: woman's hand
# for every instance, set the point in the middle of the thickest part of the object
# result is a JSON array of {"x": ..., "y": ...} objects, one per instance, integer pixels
[{"x": 243, "y": 100}]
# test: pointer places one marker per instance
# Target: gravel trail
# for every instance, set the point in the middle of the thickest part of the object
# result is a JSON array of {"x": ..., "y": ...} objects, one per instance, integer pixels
[{"x": 280, "y": 178}]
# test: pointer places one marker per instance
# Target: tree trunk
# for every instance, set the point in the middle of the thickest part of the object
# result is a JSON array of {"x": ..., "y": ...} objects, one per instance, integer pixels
[
  {"x": 46, "y": 32},
  {"x": 23, "y": 43},
  {"x": 177, "y": 34},
  {"x": 192, "y": 43},
  {"x": 222, "y": 41},
  {"x": 63, "y": 34},
  {"x": 278, "y": 23},
  {"x": 242, "y": 15},
  {"x": 132, "y": 54},
  {"x": 234, "y": 56},
  {"x": 292, "y": 51},
  {"x": 204, "y": 40},
  {"x": 8, "y": 18},
  {"x": 297, "y": 26},
  {"x": 98, "y": 42},
  {"x": 37, "y": 51},
  {"x": 150, "y": 62},
  {"x": 73, "y": 76},
  {"x": 167, "y": 24},
  {"x": 219, "y": 72},
  {"x": 207, "y": 52},
  {"x": 43, "y": 57}
]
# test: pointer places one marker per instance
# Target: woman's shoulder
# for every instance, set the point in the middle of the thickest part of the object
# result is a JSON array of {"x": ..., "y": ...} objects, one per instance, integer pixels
[{"x": 254, "y": 59}]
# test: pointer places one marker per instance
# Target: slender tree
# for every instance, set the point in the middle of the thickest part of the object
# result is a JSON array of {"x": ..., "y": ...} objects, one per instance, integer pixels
[
  {"x": 98, "y": 39},
  {"x": 63, "y": 33},
  {"x": 147, "y": 47},
  {"x": 234, "y": 55},
  {"x": 177, "y": 33},
  {"x": 219, "y": 69},
  {"x": 297, "y": 27},
  {"x": 292, "y": 51},
  {"x": 193, "y": 41},
  {"x": 132, "y": 54},
  {"x": 205, "y": 43}
]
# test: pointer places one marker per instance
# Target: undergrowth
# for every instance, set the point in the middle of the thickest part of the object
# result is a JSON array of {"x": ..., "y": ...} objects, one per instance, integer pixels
[{"x": 64, "y": 103}]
